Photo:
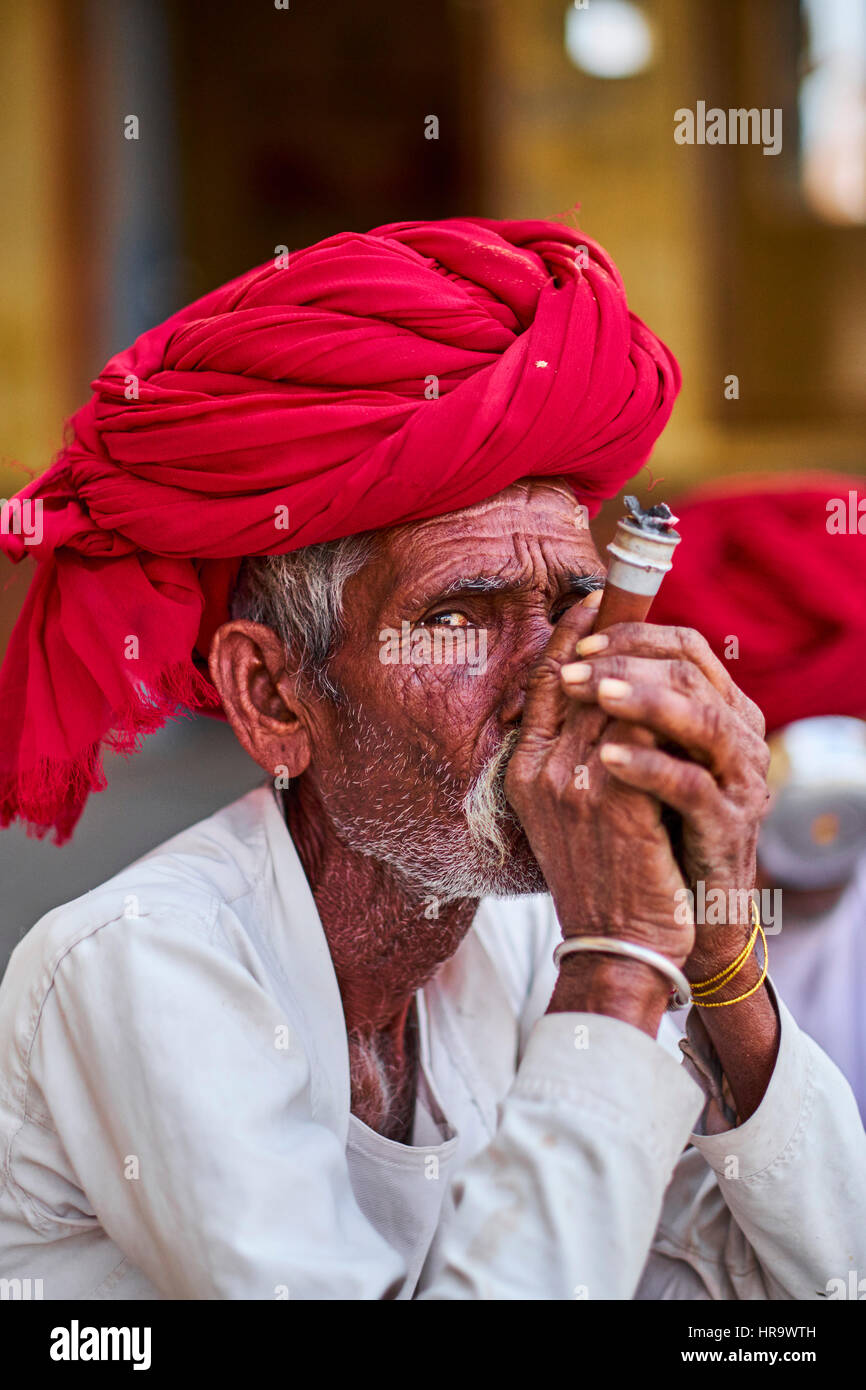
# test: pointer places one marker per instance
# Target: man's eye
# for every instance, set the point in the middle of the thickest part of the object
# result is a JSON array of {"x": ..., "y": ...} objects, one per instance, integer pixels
[
  {"x": 450, "y": 619},
  {"x": 562, "y": 608}
]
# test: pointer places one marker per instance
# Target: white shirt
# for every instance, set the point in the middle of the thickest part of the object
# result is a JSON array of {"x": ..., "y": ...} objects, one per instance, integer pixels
[
  {"x": 175, "y": 1115},
  {"x": 819, "y": 967}
]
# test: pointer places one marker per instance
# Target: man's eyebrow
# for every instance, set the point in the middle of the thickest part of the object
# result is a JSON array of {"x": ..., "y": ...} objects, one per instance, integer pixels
[
  {"x": 583, "y": 583},
  {"x": 571, "y": 582},
  {"x": 478, "y": 584}
]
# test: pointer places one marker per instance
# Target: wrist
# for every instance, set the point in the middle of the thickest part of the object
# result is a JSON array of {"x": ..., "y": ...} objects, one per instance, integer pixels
[
  {"x": 710, "y": 960},
  {"x": 717, "y": 950},
  {"x": 592, "y": 982}
]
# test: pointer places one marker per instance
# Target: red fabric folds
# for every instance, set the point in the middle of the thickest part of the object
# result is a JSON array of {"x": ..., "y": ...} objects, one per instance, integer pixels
[
  {"x": 306, "y": 387},
  {"x": 779, "y": 563}
]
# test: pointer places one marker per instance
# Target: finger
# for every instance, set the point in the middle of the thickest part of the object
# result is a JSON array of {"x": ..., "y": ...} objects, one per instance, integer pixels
[
  {"x": 546, "y": 705},
  {"x": 684, "y": 786},
  {"x": 619, "y": 734},
  {"x": 706, "y": 728},
  {"x": 677, "y": 644},
  {"x": 637, "y": 670},
  {"x": 577, "y": 750}
]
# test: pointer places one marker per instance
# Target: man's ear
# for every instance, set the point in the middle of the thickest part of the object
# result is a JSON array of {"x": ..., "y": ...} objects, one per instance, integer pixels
[{"x": 270, "y": 719}]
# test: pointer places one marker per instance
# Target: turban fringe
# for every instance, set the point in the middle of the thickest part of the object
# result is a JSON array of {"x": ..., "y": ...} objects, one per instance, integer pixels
[
  {"x": 775, "y": 561},
  {"x": 293, "y": 406}
]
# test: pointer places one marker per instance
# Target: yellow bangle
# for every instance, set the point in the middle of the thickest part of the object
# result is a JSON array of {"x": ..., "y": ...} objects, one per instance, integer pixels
[
  {"x": 724, "y": 976},
  {"x": 721, "y": 1003},
  {"x": 705, "y": 987}
]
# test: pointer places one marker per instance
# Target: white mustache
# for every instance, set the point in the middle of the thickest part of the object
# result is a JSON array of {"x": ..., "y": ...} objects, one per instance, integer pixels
[{"x": 484, "y": 805}]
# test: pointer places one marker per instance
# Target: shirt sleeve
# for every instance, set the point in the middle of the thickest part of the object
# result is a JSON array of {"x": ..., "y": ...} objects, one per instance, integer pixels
[
  {"x": 609, "y": 1155},
  {"x": 564, "y": 1202},
  {"x": 776, "y": 1207},
  {"x": 186, "y": 1106}
]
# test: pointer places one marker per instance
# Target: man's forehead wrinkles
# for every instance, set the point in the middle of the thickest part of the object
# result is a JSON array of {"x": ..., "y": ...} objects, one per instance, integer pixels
[
  {"x": 532, "y": 546},
  {"x": 446, "y": 568},
  {"x": 585, "y": 560},
  {"x": 504, "y": 579},
  {"x": 525, "y": 492},
  {"x": 524, "y": 500}
]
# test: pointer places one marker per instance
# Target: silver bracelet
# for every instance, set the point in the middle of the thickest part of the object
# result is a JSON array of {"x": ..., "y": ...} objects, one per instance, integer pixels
[{"x": 613, "y": 946}]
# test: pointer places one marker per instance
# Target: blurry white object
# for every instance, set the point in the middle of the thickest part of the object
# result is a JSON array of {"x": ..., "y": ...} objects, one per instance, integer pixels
[
  {"x": 815, "y": 830},
  {"x": 818, "y": 965},
  {"x": 832, "y": 110},
  {"x": 608, "y": 38}
]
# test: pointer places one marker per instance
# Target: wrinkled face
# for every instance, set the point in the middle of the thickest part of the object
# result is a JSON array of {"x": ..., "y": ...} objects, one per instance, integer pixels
[{"x": 443, "y": 626}]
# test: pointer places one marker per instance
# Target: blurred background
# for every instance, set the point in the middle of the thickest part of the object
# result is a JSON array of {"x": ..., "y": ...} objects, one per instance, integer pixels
[{"x": 261, "y": 126}]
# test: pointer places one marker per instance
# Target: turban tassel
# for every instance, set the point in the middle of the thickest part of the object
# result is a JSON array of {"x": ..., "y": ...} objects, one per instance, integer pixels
[{"x": 291, "y": 406}]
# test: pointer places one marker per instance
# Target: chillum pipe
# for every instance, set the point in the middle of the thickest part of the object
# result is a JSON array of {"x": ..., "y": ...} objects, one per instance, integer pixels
[{"x": 641, "y": 554}]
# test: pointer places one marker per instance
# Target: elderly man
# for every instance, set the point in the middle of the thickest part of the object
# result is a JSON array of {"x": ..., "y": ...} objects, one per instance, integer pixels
[{"x": 317, "y": 1046}]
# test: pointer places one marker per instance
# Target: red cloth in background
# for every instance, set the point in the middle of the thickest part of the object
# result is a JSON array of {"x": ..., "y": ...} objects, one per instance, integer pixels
[
  {"x": 758, "y": 562},
  {"x": 307, "y": 388}
]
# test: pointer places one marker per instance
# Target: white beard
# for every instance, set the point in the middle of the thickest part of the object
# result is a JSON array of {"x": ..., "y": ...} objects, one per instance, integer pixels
[{"x": 437, "y": 859}]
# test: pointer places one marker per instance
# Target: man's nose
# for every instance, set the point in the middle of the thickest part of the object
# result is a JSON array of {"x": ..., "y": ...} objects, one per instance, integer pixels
[
  {"x": 532, "y": 647},
  {"x": 511, "y": 710}
]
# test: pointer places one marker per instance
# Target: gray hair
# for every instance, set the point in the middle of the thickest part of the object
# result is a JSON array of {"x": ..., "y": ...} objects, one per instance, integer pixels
[{"x": 300, "y": 596}]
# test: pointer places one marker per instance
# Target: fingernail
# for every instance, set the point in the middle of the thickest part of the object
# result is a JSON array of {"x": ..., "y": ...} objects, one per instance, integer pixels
[
  {"x": 576, "y": 672},
  {"x": 592, "y": 599},
  {"x": 614, "y": 753},
  {"x": 610, "y": 689},
  {"x": 595, "y": 642}
]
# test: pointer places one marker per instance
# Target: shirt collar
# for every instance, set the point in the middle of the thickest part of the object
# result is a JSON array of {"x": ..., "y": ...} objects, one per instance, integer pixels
[{"x": 301, "y": 941}]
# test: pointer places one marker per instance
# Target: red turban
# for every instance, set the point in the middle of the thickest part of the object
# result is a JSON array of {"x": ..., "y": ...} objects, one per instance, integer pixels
[
  {"x": 779, "y": 563},
  {"x": 294, "y": 405}
]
